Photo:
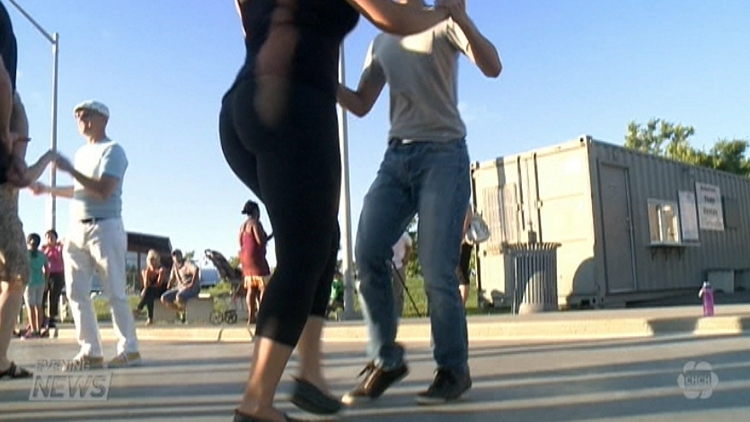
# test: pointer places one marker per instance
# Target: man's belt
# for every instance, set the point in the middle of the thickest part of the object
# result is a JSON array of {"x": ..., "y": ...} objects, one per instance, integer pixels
[
  {"x": 92, "y": 220},
  {"x": 394, "y": 141}
]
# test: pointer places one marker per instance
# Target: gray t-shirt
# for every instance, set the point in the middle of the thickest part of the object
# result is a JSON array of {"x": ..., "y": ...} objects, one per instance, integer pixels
[
  {"x": 96, "y": 160},
  {"x": 182, "y": 275},
  {"x": 421, "y": 71}
]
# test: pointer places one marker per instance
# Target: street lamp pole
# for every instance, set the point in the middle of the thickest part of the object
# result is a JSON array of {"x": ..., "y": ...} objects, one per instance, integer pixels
[
  {"x": 54, "y": 39},
  {"x": 346, "y": 229}
]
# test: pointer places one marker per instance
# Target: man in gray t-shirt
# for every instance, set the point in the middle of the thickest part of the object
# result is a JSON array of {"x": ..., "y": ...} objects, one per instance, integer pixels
[
  {"x": 96, "y": 241},
  {"x": 184, "y": 283},
  {"x": 425, "y": 171}
]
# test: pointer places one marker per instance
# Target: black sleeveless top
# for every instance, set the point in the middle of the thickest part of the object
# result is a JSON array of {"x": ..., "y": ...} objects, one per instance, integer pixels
[
  {"x": 9, "y": 54},
  {"x": 321, "y": 26},
  {"x": 8, "y": 47}
]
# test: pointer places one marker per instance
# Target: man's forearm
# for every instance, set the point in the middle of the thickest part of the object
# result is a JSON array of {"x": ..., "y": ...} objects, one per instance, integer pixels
[
  {"x": 92, "y": 186},
  {"x": 484, "y": 52},
  {"x": 359, "y": 102},
  {"x": 349, "y": 100}
]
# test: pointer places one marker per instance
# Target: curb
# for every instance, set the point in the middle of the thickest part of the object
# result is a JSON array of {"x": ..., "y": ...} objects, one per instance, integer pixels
[{"x": 479, "y": 328}]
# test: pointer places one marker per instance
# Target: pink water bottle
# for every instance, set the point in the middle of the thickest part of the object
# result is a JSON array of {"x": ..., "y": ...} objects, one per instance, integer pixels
[{"x": 707, "y": 293}]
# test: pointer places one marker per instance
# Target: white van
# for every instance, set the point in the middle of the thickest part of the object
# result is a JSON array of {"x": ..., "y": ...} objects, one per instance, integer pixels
[{"x": 208, "y": 273}]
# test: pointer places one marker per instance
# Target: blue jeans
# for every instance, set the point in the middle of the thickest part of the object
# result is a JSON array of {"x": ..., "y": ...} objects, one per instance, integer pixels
[
  {"x": 179, "y": 295},
  {"x": 430, "y": 179}
]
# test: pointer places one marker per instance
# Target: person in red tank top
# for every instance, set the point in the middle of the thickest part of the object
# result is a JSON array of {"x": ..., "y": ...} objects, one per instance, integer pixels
[{"x": 255, "y": 270}]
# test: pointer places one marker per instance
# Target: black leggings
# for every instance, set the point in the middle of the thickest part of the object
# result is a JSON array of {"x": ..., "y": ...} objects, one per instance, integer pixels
[
  {"x": 294, "y": 168},
  {"x": 151, "y": 294},
  {"x": 52, "y": 293},
  {"x": 463, "y": 263}
]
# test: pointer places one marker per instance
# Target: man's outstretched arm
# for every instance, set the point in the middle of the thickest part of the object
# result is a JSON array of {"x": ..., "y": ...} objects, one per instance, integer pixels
[{"x": 480, "y": 50}]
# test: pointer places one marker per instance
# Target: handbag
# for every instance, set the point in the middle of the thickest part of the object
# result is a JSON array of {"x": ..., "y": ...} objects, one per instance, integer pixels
[{"x": 478, "y": 231}]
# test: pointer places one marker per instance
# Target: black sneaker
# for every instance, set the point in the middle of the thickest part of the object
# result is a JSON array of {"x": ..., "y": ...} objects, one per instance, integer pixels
[
  {"x": 375, "y": 382},
  {"x": 448, "y": 385}
]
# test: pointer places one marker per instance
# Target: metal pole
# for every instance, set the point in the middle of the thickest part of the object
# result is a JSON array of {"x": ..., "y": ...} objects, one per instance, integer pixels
[
  {"x": 346, "y": 229},
  {"x": 33, "y": 22},
  {"x": 53, "y": 39},
  {"x": 52, "y": 200}
]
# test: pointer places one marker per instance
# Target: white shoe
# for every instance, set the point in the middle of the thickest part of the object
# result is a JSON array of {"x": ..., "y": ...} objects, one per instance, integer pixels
[{"x": 125, "y": 359}]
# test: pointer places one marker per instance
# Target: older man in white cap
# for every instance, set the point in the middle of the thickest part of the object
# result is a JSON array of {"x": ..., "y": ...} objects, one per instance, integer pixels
[{"x": 96, "y": 242}]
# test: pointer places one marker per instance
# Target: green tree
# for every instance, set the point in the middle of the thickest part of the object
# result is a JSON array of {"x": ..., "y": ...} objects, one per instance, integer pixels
[
  {"x": 670, "y": 140},
  {"x": 729, "y": 156},
  {"x": 659, "y": 137}
]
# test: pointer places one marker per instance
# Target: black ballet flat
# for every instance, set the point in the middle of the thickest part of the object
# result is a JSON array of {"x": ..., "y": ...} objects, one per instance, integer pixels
[
  {"x": 241, "y": 417},
  {"x": 309, "y": 398}
]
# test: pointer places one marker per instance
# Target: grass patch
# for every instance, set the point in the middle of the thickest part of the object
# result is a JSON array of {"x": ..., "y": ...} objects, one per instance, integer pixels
[
  {"x": 415, "y": 285},
  {"x": 102, "y": 309}
]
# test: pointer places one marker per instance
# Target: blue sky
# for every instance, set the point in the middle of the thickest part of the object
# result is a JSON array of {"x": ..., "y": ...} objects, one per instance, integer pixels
[{"x": 570, "y": 67}]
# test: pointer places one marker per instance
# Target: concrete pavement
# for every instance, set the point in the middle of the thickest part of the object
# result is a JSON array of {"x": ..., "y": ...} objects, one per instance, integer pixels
[{"x": 635, "y": 379}]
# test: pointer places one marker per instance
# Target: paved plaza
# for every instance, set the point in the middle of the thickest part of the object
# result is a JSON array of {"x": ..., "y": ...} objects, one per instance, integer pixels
[{"x": 555, "y": 381}]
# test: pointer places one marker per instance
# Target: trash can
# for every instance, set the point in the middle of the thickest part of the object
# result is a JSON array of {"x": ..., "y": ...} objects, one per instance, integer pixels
[{"x": 534, "y": 277}]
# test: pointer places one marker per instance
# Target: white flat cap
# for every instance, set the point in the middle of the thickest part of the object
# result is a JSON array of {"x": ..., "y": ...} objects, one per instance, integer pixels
[{"x": 92, "y": 105}]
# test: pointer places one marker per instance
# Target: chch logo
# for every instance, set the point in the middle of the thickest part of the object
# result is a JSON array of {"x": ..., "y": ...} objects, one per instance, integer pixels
[
  {"x": 77, "y": 383},
  {"x": 697, "y": 380}
]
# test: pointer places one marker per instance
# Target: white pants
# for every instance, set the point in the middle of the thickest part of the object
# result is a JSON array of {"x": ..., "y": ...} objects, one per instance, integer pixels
[{"x": 98, "y": 248}]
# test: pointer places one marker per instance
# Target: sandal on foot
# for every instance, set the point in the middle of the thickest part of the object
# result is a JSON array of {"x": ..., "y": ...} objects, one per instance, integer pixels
[
  {"x": 309, "y": 398},
  {"x": 15, "y": 372},
  {"x": 241, "y": 417}
]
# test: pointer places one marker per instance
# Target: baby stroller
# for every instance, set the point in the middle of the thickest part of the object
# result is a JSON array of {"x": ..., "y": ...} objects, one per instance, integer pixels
[
  {"x": 228, "y": 313},
  {"x": 336, "y": 301}
]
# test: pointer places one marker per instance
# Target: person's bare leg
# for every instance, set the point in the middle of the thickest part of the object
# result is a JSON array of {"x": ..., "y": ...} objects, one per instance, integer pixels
[
  {"x": 30, "y": 317},
  {"x": 256, "y": 299},
  {"x": 267, "y": 365},
  {"x": 249, "y": 303},
  {"x": 170, "y": 305},
  {"x": 35, "y": 320},
  {"x": 463, "y": 290},
  {"x": 261, "y": 290},
  {"x": 252, "y": 304},
  {"x": 40, "y": 317},
  {"x": 11, "y": 296},
  {"x": 310, "y": 354}
]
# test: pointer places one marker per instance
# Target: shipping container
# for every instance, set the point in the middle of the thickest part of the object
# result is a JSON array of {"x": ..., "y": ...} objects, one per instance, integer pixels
[{"x": 631, "y": 226}]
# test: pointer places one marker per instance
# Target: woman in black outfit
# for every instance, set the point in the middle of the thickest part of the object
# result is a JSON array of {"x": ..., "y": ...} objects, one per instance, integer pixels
[
  {"x": 154, "y": 284},
  {"x": 279, "y": 135}
]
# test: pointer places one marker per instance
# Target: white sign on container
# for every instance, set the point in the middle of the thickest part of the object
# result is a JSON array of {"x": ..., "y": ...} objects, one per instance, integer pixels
[{"x": 710, "y": 212}]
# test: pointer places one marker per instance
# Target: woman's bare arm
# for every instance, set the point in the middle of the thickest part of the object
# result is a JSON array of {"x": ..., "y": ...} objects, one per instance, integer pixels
[
  {"x": 144, "y": 277},
  {"x": 397, "y": 18}
]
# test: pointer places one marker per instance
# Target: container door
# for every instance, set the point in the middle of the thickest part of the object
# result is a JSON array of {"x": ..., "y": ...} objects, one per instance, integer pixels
[{"x": 618, "y": 229}]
